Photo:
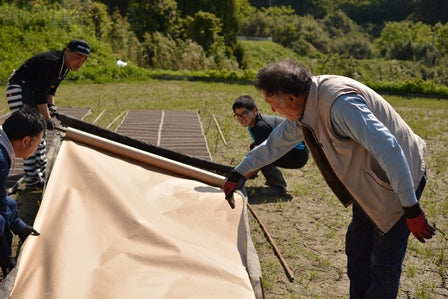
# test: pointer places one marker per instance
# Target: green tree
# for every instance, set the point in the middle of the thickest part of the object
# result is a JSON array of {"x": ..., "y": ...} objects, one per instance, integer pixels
[
  {"x": 225, "y": 10},
  {"x": 431, "y": 11},
  {"x": 117, "y": 5},
  {"x": 405, "y": 41},
  {"x": 313, "y": 33},
  {"x": 354, "y": 44},
  {"x": 205, "y": 28},
  {"x": 347, "y": 37},
  {"x": 164, "y": 52},
  {"x": 123, "y": 40},
  {"x": 303, "y": 34},
  {"x": 152, "y": 16},
  {"x": 243, "y": 9},
  {"x": 98, "y": 17},
  {"x": 258, "y": 24},
  {"x": 338, "y": 24},
  {"x": 377, "y": 11},
  {"x": 303, "y": 7},
  {"x": 440, "y": 34}
]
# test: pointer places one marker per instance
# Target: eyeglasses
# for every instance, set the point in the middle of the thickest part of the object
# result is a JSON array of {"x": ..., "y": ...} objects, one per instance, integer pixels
[{"x": 241, "y": 115}]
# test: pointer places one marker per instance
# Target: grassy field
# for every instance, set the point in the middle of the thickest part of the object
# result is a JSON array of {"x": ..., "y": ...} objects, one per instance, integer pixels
[{"x": 309, "y": 229}]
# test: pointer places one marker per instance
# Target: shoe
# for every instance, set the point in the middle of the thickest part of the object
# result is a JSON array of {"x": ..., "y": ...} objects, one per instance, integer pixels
[
  {"x": 276, "y": 192},
  {"x": 7, "y": 263}
]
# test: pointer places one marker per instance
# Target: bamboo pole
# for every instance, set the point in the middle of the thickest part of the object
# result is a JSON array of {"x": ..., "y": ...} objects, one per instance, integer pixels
[
  {"x": 288, "y": 271},
  {"x": 116, "y": 118},
  {"x": 219, "y": 130},
  {"x": 88, "y": 112},
  {"x": 98, "y": 117}
]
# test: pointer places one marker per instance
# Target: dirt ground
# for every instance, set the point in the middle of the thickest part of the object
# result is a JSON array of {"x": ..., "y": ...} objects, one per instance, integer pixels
[{"x": 309, "y": 231}]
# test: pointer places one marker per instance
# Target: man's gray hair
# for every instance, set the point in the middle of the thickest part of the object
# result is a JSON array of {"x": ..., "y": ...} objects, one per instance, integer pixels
[{"x": 284, "y": 77}]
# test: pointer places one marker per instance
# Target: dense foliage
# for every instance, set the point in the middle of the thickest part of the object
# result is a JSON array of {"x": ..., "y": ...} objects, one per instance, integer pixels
[
  {"x": 368, "y": 11},
  {"x": 373, "y": 41}
]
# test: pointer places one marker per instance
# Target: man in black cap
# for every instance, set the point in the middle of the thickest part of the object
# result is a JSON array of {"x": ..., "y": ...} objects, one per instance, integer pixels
[{"x": 35, "y": 84}]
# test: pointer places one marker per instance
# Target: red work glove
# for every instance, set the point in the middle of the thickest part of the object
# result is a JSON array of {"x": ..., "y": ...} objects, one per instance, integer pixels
[
  {"x": 233, "y": 182},
  {"x": 417, "y": 223}
]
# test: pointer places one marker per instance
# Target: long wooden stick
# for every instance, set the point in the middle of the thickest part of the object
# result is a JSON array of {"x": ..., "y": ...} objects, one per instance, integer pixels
[
  {"x": 98, "y": 117},
  {"x": 116, "y": 118},
  {"x": 277, "y": 252},
  {"x": 219, "y": 130}
]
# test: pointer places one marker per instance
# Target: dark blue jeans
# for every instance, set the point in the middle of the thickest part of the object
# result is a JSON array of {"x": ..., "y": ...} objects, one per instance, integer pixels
[{"x": 375, "y": 259}]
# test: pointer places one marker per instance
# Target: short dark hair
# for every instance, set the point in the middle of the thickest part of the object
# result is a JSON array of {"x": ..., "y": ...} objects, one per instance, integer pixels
[
  {"x": 284, "y": 77},
  {"x": 25, "y": 121},
  {"x": 244, "y": 101}
]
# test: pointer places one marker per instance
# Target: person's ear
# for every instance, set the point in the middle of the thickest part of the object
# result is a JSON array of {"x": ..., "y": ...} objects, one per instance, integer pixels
[{"x": 26, "y": 141}]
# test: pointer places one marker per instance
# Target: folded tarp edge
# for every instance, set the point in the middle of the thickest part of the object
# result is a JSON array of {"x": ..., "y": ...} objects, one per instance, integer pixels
[
  {"x": 252, "y": 262},
  {"x": 145, "y": 157}
]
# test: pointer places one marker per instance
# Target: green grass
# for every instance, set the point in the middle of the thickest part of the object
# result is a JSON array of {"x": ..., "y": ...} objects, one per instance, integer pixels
[
  {"x": 260, "y": 53},
  {"x": 308, "y": 230}
]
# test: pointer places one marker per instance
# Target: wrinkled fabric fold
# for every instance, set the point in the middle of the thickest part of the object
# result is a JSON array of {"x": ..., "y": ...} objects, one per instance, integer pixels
[{"x": 115, "y": 228}]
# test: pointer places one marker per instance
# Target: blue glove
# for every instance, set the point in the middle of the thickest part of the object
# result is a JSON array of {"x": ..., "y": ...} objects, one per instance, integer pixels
[{"x": 233, "y": 182}]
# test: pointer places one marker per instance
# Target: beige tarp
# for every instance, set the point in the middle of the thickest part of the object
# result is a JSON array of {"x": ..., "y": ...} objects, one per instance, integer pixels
[{"x": 115, "y": 228}]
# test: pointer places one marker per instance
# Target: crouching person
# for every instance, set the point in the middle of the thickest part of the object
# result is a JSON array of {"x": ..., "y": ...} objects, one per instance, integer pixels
[
  {"x": 20, "y": 136},
  {"x": 260, "y": 127}
]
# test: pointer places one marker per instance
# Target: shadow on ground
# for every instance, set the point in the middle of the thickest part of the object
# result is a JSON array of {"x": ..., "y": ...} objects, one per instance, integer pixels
[{"x": 260, "y": 195}]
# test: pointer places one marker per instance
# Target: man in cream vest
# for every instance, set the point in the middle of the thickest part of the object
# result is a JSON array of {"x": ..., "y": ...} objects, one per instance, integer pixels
[{"x": 368, "y": 155}]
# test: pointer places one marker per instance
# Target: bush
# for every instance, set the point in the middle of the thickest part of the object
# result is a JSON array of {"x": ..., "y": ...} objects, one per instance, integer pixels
[
  {"x": 163, "y": 52},
  {"x": 404, "y": 41},
  {"x": 354, "y": 44},
  {"x": 338, "y": 24}
]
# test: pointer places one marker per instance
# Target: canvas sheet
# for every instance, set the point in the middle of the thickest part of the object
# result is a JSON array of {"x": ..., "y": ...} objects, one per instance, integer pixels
[{"x": 114, "y": 228}]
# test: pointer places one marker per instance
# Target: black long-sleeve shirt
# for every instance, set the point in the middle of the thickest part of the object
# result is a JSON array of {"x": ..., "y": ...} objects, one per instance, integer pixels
[{"x": 40, "y": 76}]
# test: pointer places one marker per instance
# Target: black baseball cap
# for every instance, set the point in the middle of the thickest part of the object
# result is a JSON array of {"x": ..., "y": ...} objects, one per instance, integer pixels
[{"x": 79, "y": 46}]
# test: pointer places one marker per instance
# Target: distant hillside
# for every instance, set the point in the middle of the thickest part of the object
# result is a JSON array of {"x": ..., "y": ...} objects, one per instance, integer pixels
[{"x": 259, "y": 53}]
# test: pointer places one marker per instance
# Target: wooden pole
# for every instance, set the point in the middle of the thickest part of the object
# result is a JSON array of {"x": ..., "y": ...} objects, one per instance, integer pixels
[
  {"x": 277, "y": 252},
  {"x": 98, "y": 117},
  {"x": 219, "y": 130},
  {"x": 116, "y": 118}
]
